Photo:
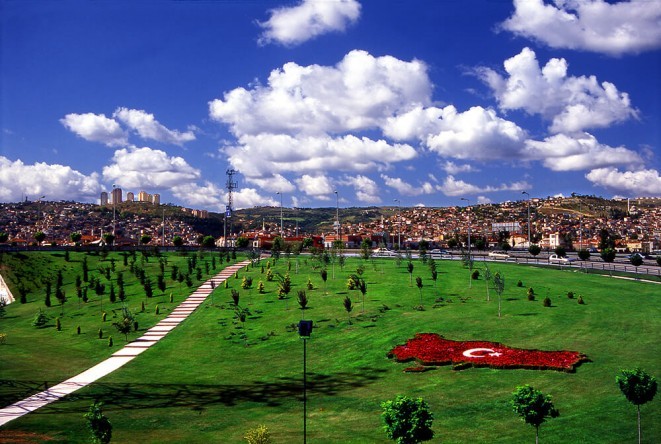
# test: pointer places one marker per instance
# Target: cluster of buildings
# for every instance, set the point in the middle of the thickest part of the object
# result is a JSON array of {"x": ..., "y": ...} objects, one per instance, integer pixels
[
  {"x": 575, "y": 222},
  {"x": 115, "y": 197}
]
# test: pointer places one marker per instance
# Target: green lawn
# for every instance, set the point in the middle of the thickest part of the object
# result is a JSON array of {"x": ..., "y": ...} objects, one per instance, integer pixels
[{"x": 202, "y": 383}]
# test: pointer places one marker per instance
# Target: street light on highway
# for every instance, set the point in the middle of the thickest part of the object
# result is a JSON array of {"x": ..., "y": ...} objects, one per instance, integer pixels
[
  {"x": 281, "y": 229},
  {"x": 399, "y": 225},
  {"x": 526, "y": 193},
  {"x": 469, "y": 229}
]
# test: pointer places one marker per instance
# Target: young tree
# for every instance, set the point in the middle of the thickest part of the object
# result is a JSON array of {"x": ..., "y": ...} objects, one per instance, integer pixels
[
  {"x": 284, "y": 287},
  {"x": 177, "y": 241},
  {"x": 125, "y": 324},
  {"x": 409, "y": 268},
  {"x": 362, "y": 286},
  {"x": 407, "y": 420},
  {"x": 636, "y": 260},
  {"x": 366, "y": 249},
  {"x": 533, "y": 407},
  {"x": 160, "y": 283},
  {"x": 324, "y": 277},
  {"x": 584, "y": 254},
  {"x": 235, "y": 297},
  {"x": 348, "y": 306},
  {"x": 145, "y": 239},
  {"x": 302, "y": 299},
  {"x": 608, "y": 255},
  {"x": 109, "y": 238},
  {"x": 534, "y": 249},
  {"x": 278, "y": 245},
  {"x": 499, "y": 286},
  {"x": 487, "y": 279},
  {"x": 98, "y": 424},
  {"x": 418, "y": 283},
  {"x": 39, "y": 236},
  {"x": 638, "y": 387}
]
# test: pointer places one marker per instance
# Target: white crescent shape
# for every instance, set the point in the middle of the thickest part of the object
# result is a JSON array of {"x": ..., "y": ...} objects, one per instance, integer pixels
[{"x": 469, "y": 353}]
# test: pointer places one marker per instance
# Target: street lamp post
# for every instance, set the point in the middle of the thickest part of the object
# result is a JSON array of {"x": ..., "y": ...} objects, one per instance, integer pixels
[
  {"x": 304, "y": 331},
  {"x": 337, "y": 215},
  {"x": 281, "y": 229},
  {"x": 526, "y": 193},
  {"x": 114, "y": 203},
  {"x": 40, "y": 210},
  {"x": 399, "y": 225},
  {"x": 469, "y": 230}
]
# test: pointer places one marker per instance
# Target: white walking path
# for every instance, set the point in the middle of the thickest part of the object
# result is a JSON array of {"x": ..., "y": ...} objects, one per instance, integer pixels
[{"x": 121, "y": 357}]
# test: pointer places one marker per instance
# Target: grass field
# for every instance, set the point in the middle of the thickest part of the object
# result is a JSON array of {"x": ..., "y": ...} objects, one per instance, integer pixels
[{"x": 212, "y": 379}]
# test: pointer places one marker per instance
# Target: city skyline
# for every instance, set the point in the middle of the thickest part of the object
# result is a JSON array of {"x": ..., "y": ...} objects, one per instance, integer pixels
[{"x": 385, "y": 103}]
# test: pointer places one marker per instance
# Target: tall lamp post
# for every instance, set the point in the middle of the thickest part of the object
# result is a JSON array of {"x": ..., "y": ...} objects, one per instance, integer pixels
[
  {"x": 39, "y": 209},
  {"x": 526, "y": 193},
  {"x": 337, "y": 215},
  {"x": 114, "y": 203},
  {"x": 399, "y": 225},
  {"x": 469, "y": 230},
  {"x": 281, "y": 229},
  {"x": 304, "y": 331}
]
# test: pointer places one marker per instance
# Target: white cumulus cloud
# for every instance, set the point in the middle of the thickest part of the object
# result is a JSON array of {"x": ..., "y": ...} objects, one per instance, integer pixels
[
  {"x": 456, "y": 187},
  {"x": 562, "y": 152},
  {"x": 319, "y": 186},
  {"x": 274, "y": 183},
  {"x": 96, "y": 128},
  {"x": 56, "y": 182},
  {"x": 149, "y": 128},
  {"x": 147, "y": 168},
  {"x": 406, "y": 189},
  {"x": 613, "y": 28},
  {"x": 310, "y": 18},
  {"x": 366, "y": 189},
  {"x": 360, "y": 92},
  {"x": 209, "y": 195},
  {"x": 570, "y": 103},
  {"x": 631, "y": 183}
]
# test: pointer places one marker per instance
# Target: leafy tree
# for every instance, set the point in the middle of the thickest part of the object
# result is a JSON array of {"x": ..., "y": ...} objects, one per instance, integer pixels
[
  {"x": 499, "y": 286},
  {"x": 242, "y": 242},
  {"x": 608, "y": 254},
  {"x": 324, "y": 277},
  {"x": 98, "y": 424},
  {"x": 348, "y": 306},
  {"x": 409, "y": 268},
  {"x": 85, "y": 270},
  {"x": 177, "y": 241},
  {"x": 560, "y": 251},
  {"x": 302, "y": 299},
  {"x": 75, "y": 237},
  {"x": 366, "y": 249},
  {"x": 276, "y": 249},
  {"x": 109, "y": 238},
  {"x": 259, "y": 435},
  {"x": 47, "y": 300},
  {"x": 3, "y": 237},
  {"x": 145, "y": 239},
  {"x": 362, "y": 286},
  {"x": 40, "y": 319},
  {"x": 584, "y": 254},
  {"x": 534, "y": 249},
  {"x": 112, "y": 296},
  {"x": 418, "y": 283},
  {"x": 284, "y": 287},
  {"x": 407, "y": 420},
  {"x": 125, "y": 324},
  {"x": 235, "y": 297},
  {"x": 638, "y": 387},
  {"x": 636, "y": 260},
  {"x": 149, "y": 292},
  {"x": 160, "y": 283},
  {"x": 533, "y": 407},
  {"x": 208, "y": 242},
  {"x": 39, "y": 236}
]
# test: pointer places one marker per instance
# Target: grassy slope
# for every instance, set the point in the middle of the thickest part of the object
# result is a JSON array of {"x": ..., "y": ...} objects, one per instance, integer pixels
[{"x": 203, "y": 384}]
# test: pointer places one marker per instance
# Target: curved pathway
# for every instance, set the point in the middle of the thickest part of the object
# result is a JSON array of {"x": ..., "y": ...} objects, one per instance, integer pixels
[{"x": 120, "y": 357}]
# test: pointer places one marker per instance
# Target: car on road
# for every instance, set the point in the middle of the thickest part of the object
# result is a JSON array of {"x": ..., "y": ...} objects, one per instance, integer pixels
[
  {"x": 498, "y": 255},
  {"x": 383, "y": 252},
  {"x": 562, "y": 260},
  {"x": 438, "y": 254}
]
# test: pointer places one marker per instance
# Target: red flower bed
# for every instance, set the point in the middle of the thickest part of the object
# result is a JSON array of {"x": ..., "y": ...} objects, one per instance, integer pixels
[{"x": 432, "y": 349}]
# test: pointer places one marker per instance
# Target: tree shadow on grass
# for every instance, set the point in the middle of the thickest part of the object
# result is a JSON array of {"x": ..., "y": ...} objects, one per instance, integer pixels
[{"x": 127, "y": 396}]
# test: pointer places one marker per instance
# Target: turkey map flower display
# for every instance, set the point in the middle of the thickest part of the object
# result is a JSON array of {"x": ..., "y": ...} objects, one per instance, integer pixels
[{"x": 430, "y": 349}]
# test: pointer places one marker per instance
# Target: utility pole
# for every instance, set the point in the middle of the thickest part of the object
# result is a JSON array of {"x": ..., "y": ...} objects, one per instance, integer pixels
[
  {"x": 399, "y": 225},
  {"x": 526, "y": 193},
  {"x": 231, "y": 186}
]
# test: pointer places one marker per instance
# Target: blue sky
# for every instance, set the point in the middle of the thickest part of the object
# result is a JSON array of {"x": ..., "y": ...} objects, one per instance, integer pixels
[{"x": 421, "y": 101}]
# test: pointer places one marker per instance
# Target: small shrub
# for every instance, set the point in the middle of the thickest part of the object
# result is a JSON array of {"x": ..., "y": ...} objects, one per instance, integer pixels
[
  {"x": 40, "y": 319},
  {"x": 259, "y": 435},
  {"x": 580, "y": 300},
  {"x": 260, "y": 287},
  {"x": 142, "y": 306},
  {"x": 531, "y": 294},
  {"x": 157, "y": 311},
  {"x": 3, "y": 338},
  {"x": 475, "y": 275},
  {"x": 171, "y": 298},
  {"x": 519, "y": 284},
  {"x": 109, "y": 341},
  {"x": 310, "y": 286},
  {"x": 135, "y": 325},
  {"x": 78, "y": 330},
  {"x": 100, "y": 334},
  {"x": 227, "y": 285},
  {"x": 570, "y": 294},
  {"x": 58, "y": 324},
  {"x": 547, "y": 301},
  {"x": 104, "y": 315}
]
